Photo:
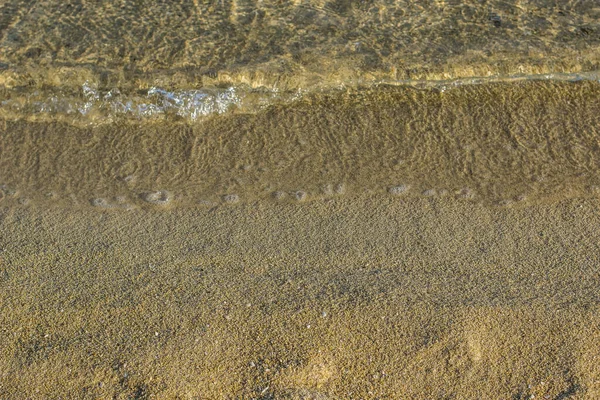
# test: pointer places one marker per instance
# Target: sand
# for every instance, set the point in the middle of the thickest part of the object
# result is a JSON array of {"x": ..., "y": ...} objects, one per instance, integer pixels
[
  {"x": 367, "y": 298},
  {"x": 299, "y": 199},
  {"x": 382, "y": 244},
  {"x": 499, "y": 143}
]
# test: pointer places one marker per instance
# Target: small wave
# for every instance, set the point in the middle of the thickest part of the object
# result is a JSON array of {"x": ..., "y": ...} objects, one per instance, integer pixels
[
  {"x": 93, "y": 106},
  {"x": 188, "y": 104}
]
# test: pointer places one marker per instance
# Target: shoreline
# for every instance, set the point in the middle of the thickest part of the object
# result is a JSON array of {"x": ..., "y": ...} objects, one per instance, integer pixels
[
  {"x": 300, "y": 200},
  {"x": 445, "y": 243},
  {"x": 500, "y": 144},
  {"x": 89, "y": 104}
]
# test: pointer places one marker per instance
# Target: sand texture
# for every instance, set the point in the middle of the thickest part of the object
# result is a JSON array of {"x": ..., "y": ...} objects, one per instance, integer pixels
[
  {"x": 386, "y": 243},
  {"x": 343, "y": 299},
  {"x": 299, "y": 199}
]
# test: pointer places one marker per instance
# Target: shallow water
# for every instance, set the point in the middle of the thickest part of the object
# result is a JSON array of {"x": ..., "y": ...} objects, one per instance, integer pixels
[
  {"x": 91, "y": 62},
  {"x": 499, "y": 143},
  {"x": 299, "y": 199},
  {"x": 91, "y": 106}
]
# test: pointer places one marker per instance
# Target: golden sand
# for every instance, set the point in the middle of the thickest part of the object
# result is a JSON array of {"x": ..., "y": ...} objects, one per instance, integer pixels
[
  {"x": 382, "y": 244},
  {"x": 366, "y": 298}
]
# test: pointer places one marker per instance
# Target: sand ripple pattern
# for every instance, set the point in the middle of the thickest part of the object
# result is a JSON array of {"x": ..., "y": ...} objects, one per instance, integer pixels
[
  {"x": 502, "y": 144},
  {"x": 289, "y": 44}
]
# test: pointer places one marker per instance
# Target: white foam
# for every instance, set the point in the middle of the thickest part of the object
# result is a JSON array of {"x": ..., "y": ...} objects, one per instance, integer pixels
[
  {"x": 160, "y": 197},
  {"x": 398, "y": 190}
]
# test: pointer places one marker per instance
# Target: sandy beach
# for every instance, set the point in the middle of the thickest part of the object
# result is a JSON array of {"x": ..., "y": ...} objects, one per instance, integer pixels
[
  {"x": 367, "y": 298},
  {"x": 405, "y": 248},
  {"x": 299, "y": 199}
]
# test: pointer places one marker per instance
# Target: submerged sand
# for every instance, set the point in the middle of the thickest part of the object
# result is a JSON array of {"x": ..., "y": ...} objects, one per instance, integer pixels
[
  {"x": 497, "y": 143},
  {"x": 289, "y": 44},
  {"x": 381, "y": 244}
]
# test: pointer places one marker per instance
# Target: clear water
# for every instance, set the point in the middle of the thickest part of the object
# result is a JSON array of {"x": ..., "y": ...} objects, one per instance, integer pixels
[{"x": 89, "y": 63}]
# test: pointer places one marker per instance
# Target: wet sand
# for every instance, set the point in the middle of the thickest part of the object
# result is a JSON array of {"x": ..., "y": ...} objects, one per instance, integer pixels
[
  {"x": 385, "y": 243},
  {"x": 299, "y": 199},
  {"x": 495, "y": 143},
  {"x": 363, "y": 298}
]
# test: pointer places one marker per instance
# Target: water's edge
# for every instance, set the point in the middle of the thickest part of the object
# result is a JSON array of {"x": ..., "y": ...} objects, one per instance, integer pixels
[
  {"x": 497, "y": 143},
  {"x": 93, "y": 104}
]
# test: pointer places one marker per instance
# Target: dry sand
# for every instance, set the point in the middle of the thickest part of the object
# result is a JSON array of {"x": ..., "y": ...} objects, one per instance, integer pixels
[
  {"x": 368, "y": 298},
  {"x": 387, "y": 244}
]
